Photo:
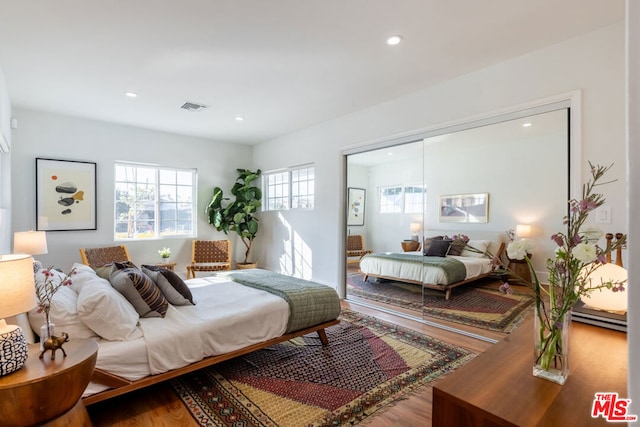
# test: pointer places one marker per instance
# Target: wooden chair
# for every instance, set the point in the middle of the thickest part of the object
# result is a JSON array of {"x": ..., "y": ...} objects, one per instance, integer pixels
[
  {"x": 355, "y": 248},
  {"x": 96, "y": 257},
  {"x": 209, "y": 255}
]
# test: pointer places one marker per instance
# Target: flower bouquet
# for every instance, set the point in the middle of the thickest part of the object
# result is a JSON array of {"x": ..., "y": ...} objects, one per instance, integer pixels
[
  {"x": 45, "y": 292},
  {"x": 577, "y": 257},
  {"x": 165, "y": 253}
]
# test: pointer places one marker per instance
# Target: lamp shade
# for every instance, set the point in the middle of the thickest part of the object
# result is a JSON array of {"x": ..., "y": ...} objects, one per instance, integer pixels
[
  {"x": 414, "y": 227},
  {"x": 17, "y": 287},
  {"x": 523, "y": 230},
  {"x": 606, "y": 299},
  {"x": 30, "y": 242}
]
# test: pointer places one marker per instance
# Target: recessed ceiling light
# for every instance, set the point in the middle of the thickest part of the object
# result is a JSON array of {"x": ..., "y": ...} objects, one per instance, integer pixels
[
  {"x": 389, "y": 153},
  {"x": 394, "y": 40},
  {"x": 131, "y": 94},
  {"x": 239, "y": 118},
  {"x": 526, "y": 125}
]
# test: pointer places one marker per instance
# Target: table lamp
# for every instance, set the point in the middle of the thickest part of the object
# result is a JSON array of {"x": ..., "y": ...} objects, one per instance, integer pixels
[
  {"x": 415, "y": 229},
  {"x": 18, "y": 292},
  {"x": 30, "y": 242},
  {"x": 523, "y": 231},
  {"x": 606, "y": 299}
]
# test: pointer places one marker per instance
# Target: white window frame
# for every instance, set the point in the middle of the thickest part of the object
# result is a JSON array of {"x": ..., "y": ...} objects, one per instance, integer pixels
[
  {"x": 290, "y": 188},
  {"x": 400, "y": 202},
  {"x": 179, "y": 191}
]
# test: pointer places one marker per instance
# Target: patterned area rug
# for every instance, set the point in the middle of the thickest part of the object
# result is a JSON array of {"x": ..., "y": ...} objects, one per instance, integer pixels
[
  {"x": 471, "y": 304},
  {"x": 367, "y": 365}
]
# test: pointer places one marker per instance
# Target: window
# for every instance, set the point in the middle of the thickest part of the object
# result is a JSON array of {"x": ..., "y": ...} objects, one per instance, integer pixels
[
  {"x": 293, "y": 188},
  {"x": 399, "y": 199},
  {"x": 153, "y": 202}
]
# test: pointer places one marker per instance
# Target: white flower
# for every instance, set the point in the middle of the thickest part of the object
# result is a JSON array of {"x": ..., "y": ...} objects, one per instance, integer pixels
[
  {"x": 165, "y": 252},
  {"x": 585, "y": 252},
  {"x": 519, "y": 249}
]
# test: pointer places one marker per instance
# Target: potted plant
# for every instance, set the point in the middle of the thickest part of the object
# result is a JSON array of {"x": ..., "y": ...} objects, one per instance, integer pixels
[{"x": 239, "y": 214}]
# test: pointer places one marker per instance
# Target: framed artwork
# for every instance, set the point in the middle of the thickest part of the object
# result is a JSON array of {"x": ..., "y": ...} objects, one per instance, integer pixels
[
  {"x": 65, "y": 195},
  {"x": 355, "y": 206},
  {"x": 464, "y": 208}
]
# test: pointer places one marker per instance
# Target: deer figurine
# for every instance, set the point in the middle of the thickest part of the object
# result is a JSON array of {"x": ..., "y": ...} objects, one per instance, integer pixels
[{"x": 53, "y": 344}]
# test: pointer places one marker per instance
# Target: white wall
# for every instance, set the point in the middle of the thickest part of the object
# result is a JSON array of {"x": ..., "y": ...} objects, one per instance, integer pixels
[
  {"x": 5, "y": 168},
  {"x": 55, "y": 136},
  {"x": 593, "y": 63}
]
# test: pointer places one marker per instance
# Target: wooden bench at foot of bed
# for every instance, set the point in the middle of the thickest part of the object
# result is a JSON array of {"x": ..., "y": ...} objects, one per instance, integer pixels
[{"x": 120, "y": 386}]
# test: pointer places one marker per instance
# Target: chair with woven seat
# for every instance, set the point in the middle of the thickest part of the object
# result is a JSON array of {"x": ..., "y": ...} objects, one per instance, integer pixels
[
  {"x": 97, "y": 257},
  {"x": 355, "y": 248},
  {"x": 209, "y": 255}
]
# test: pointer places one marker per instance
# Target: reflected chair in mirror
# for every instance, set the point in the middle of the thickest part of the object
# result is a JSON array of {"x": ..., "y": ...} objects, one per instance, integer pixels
[
  {"x": 96, "y": 257},
  {"x": 355, "y": 248},
  {"x": 209, "y": 255}
]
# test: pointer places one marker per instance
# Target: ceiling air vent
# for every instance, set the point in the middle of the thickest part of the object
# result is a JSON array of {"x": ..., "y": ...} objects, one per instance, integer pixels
[{"x": 192, "y": 106}]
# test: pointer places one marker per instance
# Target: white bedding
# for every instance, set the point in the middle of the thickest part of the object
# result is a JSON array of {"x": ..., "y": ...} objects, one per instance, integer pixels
[
  {"x": 417, "y": 272},
  {"x": 227, "y": 317}
]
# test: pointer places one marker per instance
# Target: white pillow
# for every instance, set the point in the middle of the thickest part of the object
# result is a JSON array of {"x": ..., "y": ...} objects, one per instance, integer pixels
[
  {"x": 84, "y": 274},
  {"x": 480, "y": 245},
  {"x": 105, "y": 310},
  {"x": 63, "y": 314}
]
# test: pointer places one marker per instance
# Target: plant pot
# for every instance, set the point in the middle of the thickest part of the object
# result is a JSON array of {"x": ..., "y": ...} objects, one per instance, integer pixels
[{"x": 246, "y": 265}]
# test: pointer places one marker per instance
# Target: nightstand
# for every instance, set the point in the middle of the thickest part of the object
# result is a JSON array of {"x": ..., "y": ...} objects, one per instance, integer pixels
[
  {"x": 168, "y": 265},
  {"x": 47, "y": 392},
  {"x": 410, "y": 245},
  {"x": 520, "y": 267}
]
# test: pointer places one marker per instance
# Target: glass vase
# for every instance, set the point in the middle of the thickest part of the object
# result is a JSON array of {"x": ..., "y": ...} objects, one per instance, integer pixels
[
  {"x": 47, "y": 330},
  {"x": 551, "y": 344}
]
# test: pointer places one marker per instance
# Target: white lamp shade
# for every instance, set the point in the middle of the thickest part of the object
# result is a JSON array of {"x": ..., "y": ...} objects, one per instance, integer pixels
[
  {"x": 30, "y": 242},
  {"x": 605, "y": 299},
  {"x": 17, "y": 287},
  {"x": 523, "y": 230},
  {"x": 414, "y": 227}
]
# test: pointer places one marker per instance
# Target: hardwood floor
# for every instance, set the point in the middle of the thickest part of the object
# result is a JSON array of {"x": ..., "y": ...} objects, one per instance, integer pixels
[{"x": 159, "y": 405}]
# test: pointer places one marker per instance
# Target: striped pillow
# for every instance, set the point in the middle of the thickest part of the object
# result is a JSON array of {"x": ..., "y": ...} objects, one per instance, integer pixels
[{"x": 140, "y": 291}]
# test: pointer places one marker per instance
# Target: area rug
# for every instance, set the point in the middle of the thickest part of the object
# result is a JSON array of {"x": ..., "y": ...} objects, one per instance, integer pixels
[
  {"x": 472, "y": 304},
  {"x": 368, "y": 365}
]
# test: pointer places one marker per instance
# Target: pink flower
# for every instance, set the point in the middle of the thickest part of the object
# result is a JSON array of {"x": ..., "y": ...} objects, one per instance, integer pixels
[{"x": 505, "y": 289}]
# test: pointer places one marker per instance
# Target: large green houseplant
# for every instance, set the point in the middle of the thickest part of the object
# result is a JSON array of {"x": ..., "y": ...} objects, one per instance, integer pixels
[{"x": 239, "y": 214}]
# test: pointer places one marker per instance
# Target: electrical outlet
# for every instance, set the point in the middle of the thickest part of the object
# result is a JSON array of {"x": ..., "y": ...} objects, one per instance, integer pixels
[{"x": 603, "y": 215}]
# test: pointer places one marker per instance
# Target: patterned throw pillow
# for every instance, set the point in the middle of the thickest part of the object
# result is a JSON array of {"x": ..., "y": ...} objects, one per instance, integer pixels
[
  {"x": 457, "y": 246},
  {"x": 140, "y": 291},
  {"x": 171, "y": 285}
]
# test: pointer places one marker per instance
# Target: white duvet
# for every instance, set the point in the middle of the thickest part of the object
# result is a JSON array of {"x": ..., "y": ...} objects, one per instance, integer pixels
[
  {"x": 417, "y": 272},
  {"x": 227, "y": 317}
]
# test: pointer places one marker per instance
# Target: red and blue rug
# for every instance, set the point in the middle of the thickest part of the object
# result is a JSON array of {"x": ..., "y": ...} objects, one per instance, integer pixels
[
  {"x": 473, "y": 304},
  {"x": 367, "y": 365}
]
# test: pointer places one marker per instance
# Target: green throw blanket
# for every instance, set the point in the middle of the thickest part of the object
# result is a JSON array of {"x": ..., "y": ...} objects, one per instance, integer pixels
[
  {"x": 454, "y": 269},
  {"x": 310, "y": 303}
]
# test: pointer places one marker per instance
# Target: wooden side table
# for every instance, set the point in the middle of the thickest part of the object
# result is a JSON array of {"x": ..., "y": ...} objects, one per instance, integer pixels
[
  {"x": 520, "y": 267},
  {"x": 168, "y": 265},
  {"x": 47, "y": 392},
  {"x": 410, "y": 245}
]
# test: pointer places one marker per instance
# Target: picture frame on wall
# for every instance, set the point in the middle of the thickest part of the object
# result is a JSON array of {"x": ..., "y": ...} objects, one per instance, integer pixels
[
  {"x": 355, "y": 206},
  {"x": 66, "y": 195},
  {"x": 464, "y": 208}
]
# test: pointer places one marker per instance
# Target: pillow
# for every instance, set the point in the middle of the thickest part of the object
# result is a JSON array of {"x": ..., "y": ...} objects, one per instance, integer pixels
[
  {"x": 480, "y": 245},
  {"x": 104, "y": 271},
  {"x": 84, "y": 274},
  {"x": 107, "y": 312},
  {"x": 457, "y": 246},
  {"x": 438, "y": 248},
  {"x": 172, "y": 286},
  {"x": 63, "y": 314},
  {"x": 427, "y": 243},
  {"x": 140, "y": 291}
]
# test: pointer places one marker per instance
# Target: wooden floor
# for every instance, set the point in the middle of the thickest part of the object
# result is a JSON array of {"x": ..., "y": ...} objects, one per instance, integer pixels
[{"x": 159, "y": 405}]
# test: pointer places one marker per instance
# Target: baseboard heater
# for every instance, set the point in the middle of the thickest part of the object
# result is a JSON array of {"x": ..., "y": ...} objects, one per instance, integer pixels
[{"x": 605, "y": 319}]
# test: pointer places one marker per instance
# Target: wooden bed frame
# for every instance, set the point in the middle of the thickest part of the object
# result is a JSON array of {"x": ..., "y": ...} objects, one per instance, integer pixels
[
  {"x": 446, "y": 288},
  {"x": 121, "y": 385}
]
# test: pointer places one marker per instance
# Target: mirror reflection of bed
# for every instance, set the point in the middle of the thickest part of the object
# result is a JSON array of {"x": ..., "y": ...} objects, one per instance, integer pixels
[{"x": 523, "y": 169}]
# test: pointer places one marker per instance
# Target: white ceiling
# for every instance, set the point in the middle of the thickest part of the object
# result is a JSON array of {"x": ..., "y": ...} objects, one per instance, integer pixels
[{"x": 281, "y": 64}]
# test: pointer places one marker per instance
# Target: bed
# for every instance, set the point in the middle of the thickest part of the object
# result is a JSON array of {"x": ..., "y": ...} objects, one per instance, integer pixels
[
  {"x": 234, "y": 314},
  {"x": 439, "y": 270}
]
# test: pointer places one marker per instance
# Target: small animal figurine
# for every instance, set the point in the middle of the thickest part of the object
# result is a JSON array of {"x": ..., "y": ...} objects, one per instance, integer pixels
[{"x": 53, "y": 344}]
